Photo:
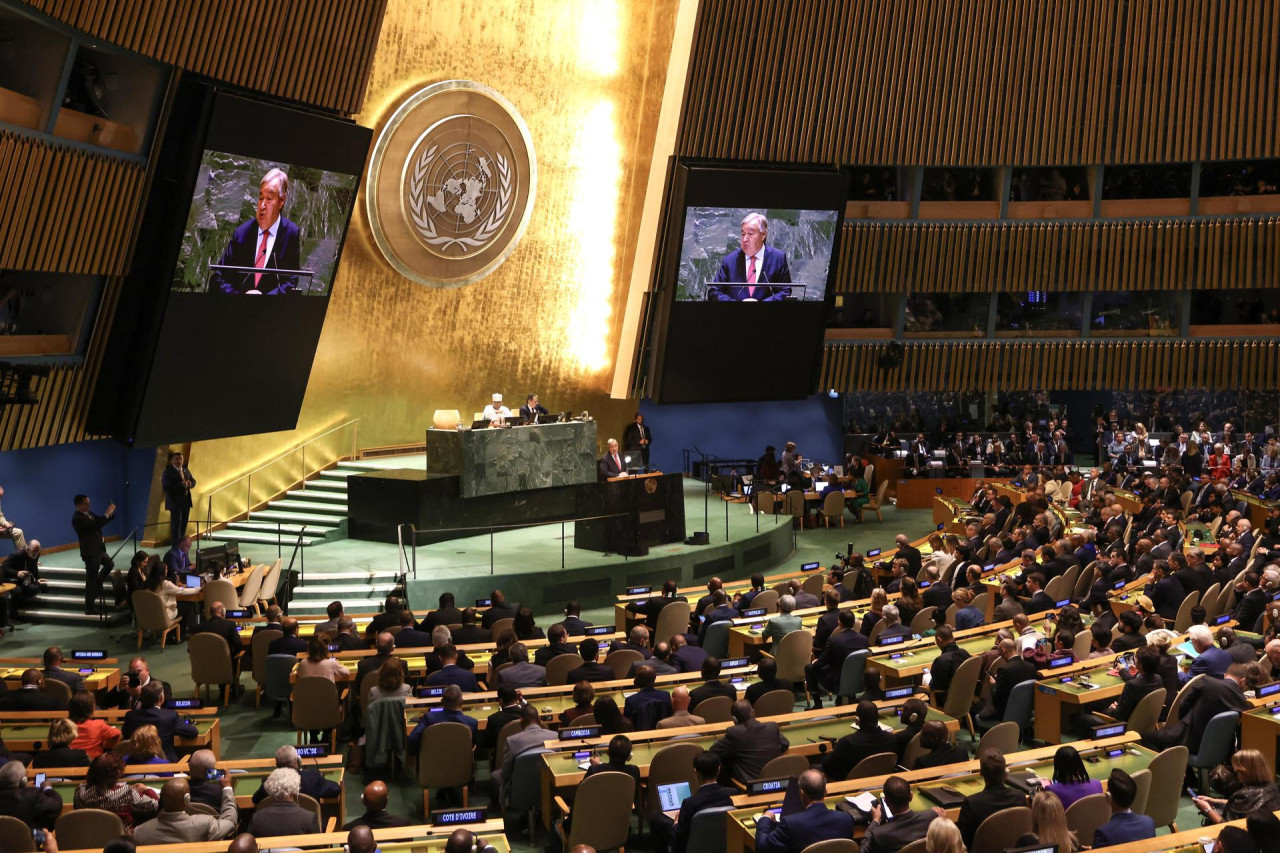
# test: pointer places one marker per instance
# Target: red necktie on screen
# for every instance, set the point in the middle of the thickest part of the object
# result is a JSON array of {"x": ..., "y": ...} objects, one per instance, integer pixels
[
  {"x": 262, "y": 259},
  {"x": 751, "y": 276}
]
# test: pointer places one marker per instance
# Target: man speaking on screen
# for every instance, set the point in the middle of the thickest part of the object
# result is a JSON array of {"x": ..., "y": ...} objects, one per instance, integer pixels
[
  {"x": 746, "y": 273},
  {"x": 268, "y": 241}
]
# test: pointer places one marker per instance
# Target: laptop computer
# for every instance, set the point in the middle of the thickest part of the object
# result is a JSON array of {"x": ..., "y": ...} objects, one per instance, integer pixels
[
  {"x": 194, "y": 581},
  {"x": 671, "y": 796}
]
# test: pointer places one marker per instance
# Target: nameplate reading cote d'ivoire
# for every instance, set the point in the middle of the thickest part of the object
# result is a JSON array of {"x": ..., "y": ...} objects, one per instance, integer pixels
[{"x": 451, "y": 184}]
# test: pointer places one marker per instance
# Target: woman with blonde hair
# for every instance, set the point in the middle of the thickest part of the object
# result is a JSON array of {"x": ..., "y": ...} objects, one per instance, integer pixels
[
  {"x": 58, "y": 751},
  {"x": 1049, "y": 825},
  {"x": 943, "y": 837},
  {"x": 146, "y": 748},
  {"x": 1258, "y": 791},
  {"x": 875, "y": 611}
]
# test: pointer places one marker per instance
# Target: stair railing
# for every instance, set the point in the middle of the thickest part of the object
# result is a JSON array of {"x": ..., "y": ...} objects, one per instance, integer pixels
[
  {"x": 251, "y": 490},
  {"x": 285, "y": 586}
]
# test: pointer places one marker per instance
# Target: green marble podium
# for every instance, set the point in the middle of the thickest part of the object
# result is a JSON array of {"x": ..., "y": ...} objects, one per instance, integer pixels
[{"x": 514, "y": 459}]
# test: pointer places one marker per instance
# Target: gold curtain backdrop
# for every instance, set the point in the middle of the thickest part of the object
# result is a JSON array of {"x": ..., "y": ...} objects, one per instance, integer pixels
[{"x": 587, "y": 76}]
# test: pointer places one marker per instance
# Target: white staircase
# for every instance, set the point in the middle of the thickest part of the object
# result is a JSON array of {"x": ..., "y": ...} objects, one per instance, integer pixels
[
  {"x": 62, "y": 599},
  {"x": 317, "y": 511},
  {"x": 359, "y": 590}
]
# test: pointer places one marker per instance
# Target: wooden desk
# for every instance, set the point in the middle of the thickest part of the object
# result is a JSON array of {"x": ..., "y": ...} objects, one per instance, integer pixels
[
  {"x": 96, "y": 679},
  {"x": 919, "y": 492},
  {"x": 23, "y": 729},
  {"x": 953, "y": 513},
  {"x": 395, "y": 839},
  {"x": 1260, "y": 728},
  {"x": 1258, "y": 509}
]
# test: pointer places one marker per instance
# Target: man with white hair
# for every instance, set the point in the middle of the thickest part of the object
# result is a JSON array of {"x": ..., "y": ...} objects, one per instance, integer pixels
[
  {"x": 782, "y": 624},
  {"x": 495, "y": 412},
  {"x": 281, "y": 814},
  {"x": 37, "y": 807},
  {"x": 206, "y": 784},
  {"x": 268, "y": 241},
  {"x": 893, "y": 626},
  {"x": 611, "y": 464},
  {"x": 311, "y": 780},
  {"x": 746, "y": 272},
  {"x": 1210, "y": 659},
  {"x": 22, "y": 569}
]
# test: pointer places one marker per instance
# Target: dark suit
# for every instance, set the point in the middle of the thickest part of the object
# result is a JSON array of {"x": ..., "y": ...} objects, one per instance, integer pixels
[
  {"x": 1039, "y": 603},
  {"x": 631, "y": 437},
  {"x": 242, "y": 251},
  {"x": 313, "y": 785},
  {"x": 644, "y": 651},
  {"x": 471, "y": 635},
  {"x": 289, "y": 645},
  {"x": 445, "y": 616},
  {"x": 1123, "y": 828},
  {"x": 937, "y": 595},
  {"x": 1166, "y": 595},
  {"x": 167, "y": 725},
  {"x": 825, "y": 671},
  {"x": 575, "y": 627},
  {"x": 1203, "y": 700},
  {"x": 378, "y": 820},
  {"x": 760, "y": 688},
  {"x": 590, "y": 671},
  {"x": 72, "y": 679},
  {"x": 207, "y": 791},
  {"x": 1249, "y": 608},
  {"x": 273, "y": 818},
  {"x": 38, "y": 808},
  {"x": 498, "y": 612},
  {"x": 30, "y": 700},
  {"x": 226, "y": 629},
  {"x": 60, "y": 757},
  {"x": 978, "y": 807},
  {"x": 411, "y": 638},
  {"x": 177, "y": 500},
  {"x": 1015, "y": 671},
  {"x": 464, "y": 679},
  {"x": 714, "y": 687},
  {"x": 733, "y": 269},
  {"x": 611, "y": 465},
  {"x": 944, "y": 669},
  {"x": 675, "y": 837},
  {"x": 350, "y": 643},
  {"x": 892, "y": 836},
  {"x": 745, "y": 748},
  {"x": 688, "y": 658},
  {"x": 852, "y": 748},
  {"x": 1213, "y": 662},
  {"x": 529, "y": 413},
  {"x": 795, "y": 832},
  {"x": 646, "y": 707},
  {"x": 544, "y": 655},
  {"x": 912, "y": 555},
  {"x": 93, "y": 550},
  {"x": 648, "y": 609}
]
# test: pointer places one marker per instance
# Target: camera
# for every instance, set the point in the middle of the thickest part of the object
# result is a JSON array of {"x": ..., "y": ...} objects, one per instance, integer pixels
[
  {"x": 38, "y": 836},
  {"x": 134, "y": 678}
]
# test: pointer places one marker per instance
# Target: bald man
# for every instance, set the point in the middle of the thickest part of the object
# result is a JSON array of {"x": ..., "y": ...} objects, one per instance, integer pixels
[
  {"x": 680, "y": 715},
  {"x": 290, "y": 643},
  {"x": 243, "y": 843},
  {"x": 360, "y": 840},
  {"x": 375, "y": 814},
  {"x": 219, "y": 624},
  {"x": 174, "y": 826},
  {"x": 465, "y": 841}
]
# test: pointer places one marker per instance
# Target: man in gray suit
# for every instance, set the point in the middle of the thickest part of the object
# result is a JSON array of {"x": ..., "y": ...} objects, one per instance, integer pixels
[
  {"x": 521, "y": 673},
  {"x": 281, "y": 814},
  {"x": 174, "y": 826},
  {"x": 532, "y": 735}
]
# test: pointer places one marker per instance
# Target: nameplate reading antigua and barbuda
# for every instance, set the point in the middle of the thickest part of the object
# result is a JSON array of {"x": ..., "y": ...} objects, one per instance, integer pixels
[{"x": 451, "y": 184}]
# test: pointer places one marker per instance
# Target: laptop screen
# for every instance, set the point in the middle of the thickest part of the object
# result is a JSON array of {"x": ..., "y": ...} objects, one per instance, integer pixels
[
  {"x": 671, "y": 796},
  {"x": 195, "y": 581}
]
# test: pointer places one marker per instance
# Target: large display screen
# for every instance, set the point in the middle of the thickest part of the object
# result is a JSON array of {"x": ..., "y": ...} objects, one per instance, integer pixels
[
  {"x": 242, "y": 235},
  {"x": 742, "y": 293}
]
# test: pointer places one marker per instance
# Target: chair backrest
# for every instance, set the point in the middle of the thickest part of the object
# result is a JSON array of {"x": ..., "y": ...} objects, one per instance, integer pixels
[
  {"x": 315, "y": 704},
  {"x": 869, "y": 474},
  {"x": 15, "y": 836},
  {"x": 220, "y": 591},
  {"x": 833, "y": 504},
  {"x": 500, "y": 746},
  {"x": 272, "y": 581},
  {"x": 981, "y": 600},
  {"x": 1219, "y": 740},
  {"x": 767, "y": 599},
  {"x": 765, "y": 502},
  {"x": 258, "y": 649},
  {"x": 1002, "y": 737},
  {"x": 1186, "y": 501},
  {"x": 1176, "y": 708},
  {"x": 1146, "y": 713},
  {"x": 716, "y": 643},
  {"x": 87, "y": 829},
  {"x": 1021, "y": 700},
  {"x": 880, "y": 492},
  {"x": 851, "y": 673},
  {"x": 621, "y": 661},
  {"x": 148, "y": 610},
  {"x": 1087, "y": 814},
  {"x": 276, "y": 673},
  {"x": 210, "y": 659},
  {"x": 312, "y": 805},
  {"x": 1142, "y": 779},
  {"x": 917, "y": 846},
  {"x": 526, "y": 779},
  {"x": 795, "y": 651},
  {"x": 814, "y": 584},
  {"x": 1082, "y": 585},
  {"x": 963, "y": 685},
  {"x": 1002, "y": 829},
  {"x": 1168, "y": 770},
  {"x": 59, "y": 689},
  {"x": 775, "y": 702},
  {"x": 832, "y": 845},
  {"x": 201, "y": 808},
  {"x": 1183, "y": 619},
  {"x": 715, "y": 709},
  {"x": 252, "y": 585},
  {"x": 951, "y": 614},
  {"x": 672, "y": 763},
  {"x": 1072, "y": 575},
  {"x": 1083, "y": 645},
  {"x": 559, "y": 667},
  {"x": 795, "y": 503},
  {"x": 1210, "y": 602},
  {"x": 499, "y": 626},
  {"x": 876, "y": 630},
  {"x": 923, "y": 620},
  {"x": 1058, "y": 588},
  {"x": 445, "y": 757},
  {"x": 784, "y": 766},
  {"x": 913, "y": 751},
  {"x": 880, "y": 764},
  {"x": 707, "y": 833},
  {"x": 673, "y": 619},
  {"x": 1226, "y": 598},
  {"x": 602, "y": 811}
]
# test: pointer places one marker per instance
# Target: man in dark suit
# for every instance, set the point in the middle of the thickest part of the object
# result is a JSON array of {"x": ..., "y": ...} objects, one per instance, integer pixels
[
  {"x": 648, "y": 705},
  {"x": 508, "y": 710},
  {"x": 767, "y": 671},
  {"x": 383, "y": 644},
  {"x": 1203, "y": 700},
  {"x": 824, "y": 673},
  {"x": 869, "y": 739},
  {"x": 590, "y": 670},
  {"x": 939, "y": 592},
  {"x": 556, "y": 646},
  {"x": 1165, "y": 592},
  {"x": 204, "y": 779},
  {"x": 346, "y": 639},
  {"x": 410, "y": 637},
  {"x": 828, "y": 621},
  {"x": 722, "y": 612},
  {"x": 904, "y": 827},
  {"x": 450, "y": 673},
  {"x": 672, "y": 837},
  {"x": 290, "y": 643},
  {"x": 1210, "y": 660},
  {"x": 471, "y": 634},
  {"x": 793, "y": 833},
  {"x": 1040, "y": 601},
  {"x": 177, "y": 482},
  {"x": 498, "y": 609},
  {"x": 749, "y": 744},
  {"x": 651, "y": 607},
  {"x": 946, "y": 663},
  {"x": 93, "y": 549},
  {"x": 573, "y": 623},
  {"x": 446, "y": 613},
  {"x": 686, "y": 657},
  {"x": 274, "y": 622},
  {"x": 312, "y": 781},
  {"x": 994, "y": 796},
  {"x": 1251, "y": 600},
  {"x": 53, "y": 669},
  {"x": 31, "y": 696},
  {"x": 636, "y": 439},
  {"x": 388, "y": 618},
  {"x": 532, "y": 409},
  {"x": 611, "y": 464},
  {"x": 1016, "y": 670},
  {"x": 375, "y": 814},
  {"x": 712, "y": 685},
  {"x": 749, "y": 269},
  {"x": 908, "y": 552},
  {"x": 267, "y": 241},
  {"x": 1124, "y": 826},
  {"x": 219, "y": 624},
  {"x": 167, "y": 722},
  {"x": 36, "y": 806}
]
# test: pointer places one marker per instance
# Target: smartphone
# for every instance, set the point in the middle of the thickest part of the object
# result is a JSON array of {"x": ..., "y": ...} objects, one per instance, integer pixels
[
  {"x": 885, "y": 814},
  {"x": 1191, "y": 792},
  {"x": 40, "y": 777}
]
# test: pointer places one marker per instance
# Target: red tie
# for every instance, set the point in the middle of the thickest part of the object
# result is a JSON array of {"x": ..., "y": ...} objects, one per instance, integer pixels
[
  {"x": 262, "y": 259},
  {"x": 616, "y": 463}
]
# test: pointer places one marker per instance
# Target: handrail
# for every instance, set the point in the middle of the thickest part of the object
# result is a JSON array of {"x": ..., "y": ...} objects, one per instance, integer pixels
[{"x": 288, "y": 452}]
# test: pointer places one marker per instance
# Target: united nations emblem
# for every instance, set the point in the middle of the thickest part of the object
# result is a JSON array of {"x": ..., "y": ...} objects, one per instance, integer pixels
[{"x": 451, "y": 184}]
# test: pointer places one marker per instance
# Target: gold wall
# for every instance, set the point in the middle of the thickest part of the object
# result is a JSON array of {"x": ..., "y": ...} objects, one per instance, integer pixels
[{"x": 587, "y": 76}]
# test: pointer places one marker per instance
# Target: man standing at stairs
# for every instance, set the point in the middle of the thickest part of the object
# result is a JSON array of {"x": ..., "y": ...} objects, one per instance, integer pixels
[
  {"x": 177, "y": 483},
  {"x": 93, "y": 549}
]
